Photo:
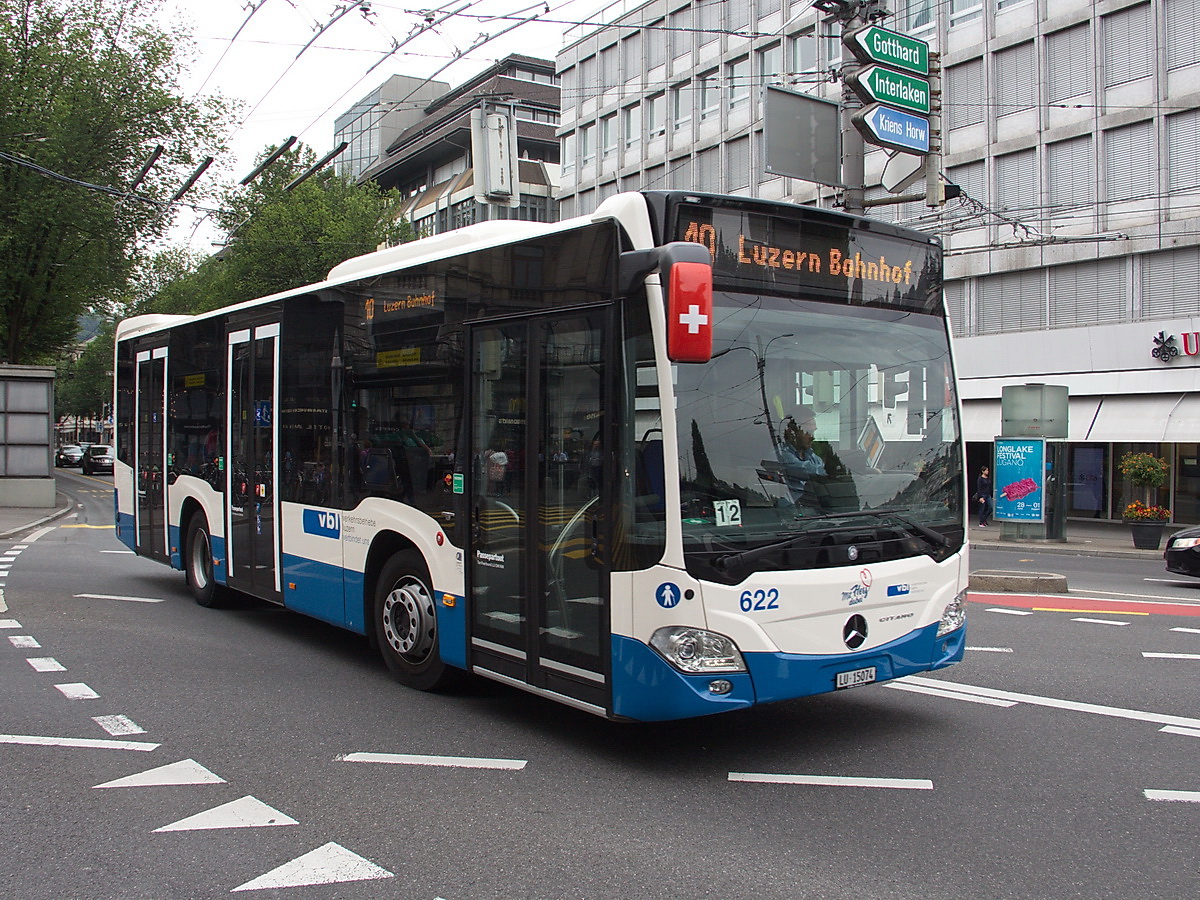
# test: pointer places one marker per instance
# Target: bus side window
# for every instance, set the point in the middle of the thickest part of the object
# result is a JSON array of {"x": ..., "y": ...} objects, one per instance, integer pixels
[{"x": 651, "y": 477}]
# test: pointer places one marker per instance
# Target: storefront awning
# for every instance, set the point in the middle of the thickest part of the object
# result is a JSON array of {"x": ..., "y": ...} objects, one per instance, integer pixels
[{"x": 1140, "y": 417}]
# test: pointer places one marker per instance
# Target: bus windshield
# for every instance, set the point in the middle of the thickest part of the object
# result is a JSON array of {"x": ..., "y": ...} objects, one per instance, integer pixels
[{"x": 820, "y": 435}]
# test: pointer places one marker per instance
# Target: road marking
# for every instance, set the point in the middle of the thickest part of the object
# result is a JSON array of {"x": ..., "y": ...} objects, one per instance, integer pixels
[
  {"x": 248, "y": 812},
  {"x": 1173, "y": 796},
  {"x": 41, "y": 532},
  {"x": 328, "y": 864},
  {"x": 186, "y": 771},
  {"x": 462, "y": 762},
  {"x": 1124, "y": 612},
  {"x": 1099, "y": 621},
  {"x": 909, "y": 784},
  {"x": 86, "y": 526},
  {"x": 45, "y": 664},
  {"x": 24, "y": 641},
  {"x": 115, "y": 725},
  {"x": 1011, "y": 612},
  {"x": 991, "y": 649},
  {"x": 130, "y": 552},
  {"x": 77, "y": 691},
  {"x": 1115, "y": 712},
  {"x": 1171, "y": 655},
  {"x": 9, "y": 623},
  {"x": 950, "y": 695},
  {"x": 1173, "y": 606},
  {"x": 115, "y": 597},
  {"x": 1187, "y": 630},
  {"x": 86, "y": 743},
  {"x": 1186, "y": 732}
]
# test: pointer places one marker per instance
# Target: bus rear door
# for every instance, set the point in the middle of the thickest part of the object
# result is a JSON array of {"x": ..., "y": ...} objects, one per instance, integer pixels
[
  {"x": 537, "y": 576},
  {"x": 150, "y": 443}
]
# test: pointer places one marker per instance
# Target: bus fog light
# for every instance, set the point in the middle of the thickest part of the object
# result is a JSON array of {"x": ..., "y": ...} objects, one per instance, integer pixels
[
  {"x": 954, "y": 616},
  {"x": 720, "y": 686},
  {"x": 695, "y": 650}
]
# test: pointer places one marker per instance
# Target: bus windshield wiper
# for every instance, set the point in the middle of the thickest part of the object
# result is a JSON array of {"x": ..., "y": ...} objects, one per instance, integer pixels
[{"x": 935, "y": 538}]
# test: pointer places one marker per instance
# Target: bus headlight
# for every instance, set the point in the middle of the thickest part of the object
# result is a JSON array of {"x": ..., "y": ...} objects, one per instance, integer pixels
[
  {"x": 954, "y": 616},
  {"x": 694, "y": 650}
]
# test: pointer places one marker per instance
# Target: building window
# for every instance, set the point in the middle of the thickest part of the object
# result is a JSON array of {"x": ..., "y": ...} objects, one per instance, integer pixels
[
  {"x": 608, "y": 136},
  {"x": 708, "y": 20},
  {"x": 770, "y": 64},
  {"x": 1071, "y": 177},
  {"x": 656, "y": 116},
  {"x": 610, "y": 67},
  {"x": 1088, "y": 293},
  {"x": 1128, "y": 45},
  {"x": 1183, "y": 34},
  {"x": 1130, "y": 162},
  {"x": 1016, "y": 79},
  {"x": 587, "y": 144},
  {"x": 921, "y": 15},
  {"x": 1183, "y": 151},
  {"x": 681, "y": 107},
  {"x": 955, "y": 293},
  {"x": 964, "y": 94},
  {"x": 681, "y": 175},
  {"x": 1162, "y": 274},
  {"x": 1069, "y": 63},
  {"x": 1013, "y": 301},
  {"x": 656, "y": 43},
  {"x": 972, "y": 178},
  {"x": 631, "y": 55},
  {"x": 656, "y": 178},
  {"x": 588, "y": 84},
  {"x": 1017, "y": 184},
  {"x": 569, "y": 142},
  {"x": 964, "y": 11},
  {"x": 710, "y": 95},
  {"x": 465, "y": 213},
  {"x": 1007, "y": 4},
  {"x": 631, "y": 126},
  {"x": 708, "y": 170},
  {"x": 739, "y": 82},
  {"x": 681, "y": 32},
  {"x": 737, "y": 163},
  {"x": 804, "y": 55}
]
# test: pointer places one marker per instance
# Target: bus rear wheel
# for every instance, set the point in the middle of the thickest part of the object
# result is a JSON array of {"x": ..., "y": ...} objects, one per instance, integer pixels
[
  {"x": 406, "y": 623},
  {"x": 198, "y": 563}
]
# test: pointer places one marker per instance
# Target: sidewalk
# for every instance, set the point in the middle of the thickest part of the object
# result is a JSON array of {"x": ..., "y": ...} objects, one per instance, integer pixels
[
  {"x": 15, "y": 520},
  {"x": 1083, "y": 538}
]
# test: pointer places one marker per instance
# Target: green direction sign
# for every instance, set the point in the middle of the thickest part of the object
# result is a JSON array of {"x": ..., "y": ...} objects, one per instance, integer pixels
[
  {"x": 889, "y": 48},
  {"x": 876, "y": 84}
]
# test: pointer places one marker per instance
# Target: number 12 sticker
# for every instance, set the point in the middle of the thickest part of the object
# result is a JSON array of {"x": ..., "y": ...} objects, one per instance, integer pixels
[{"x": 728, "y": 513}]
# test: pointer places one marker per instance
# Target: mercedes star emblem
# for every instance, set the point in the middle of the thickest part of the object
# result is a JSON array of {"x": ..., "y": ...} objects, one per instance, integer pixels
[{"x": 854, "y": 633}]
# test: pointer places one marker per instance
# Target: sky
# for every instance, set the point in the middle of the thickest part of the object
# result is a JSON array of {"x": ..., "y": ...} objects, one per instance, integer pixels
[{"x": 297, "y": 64}]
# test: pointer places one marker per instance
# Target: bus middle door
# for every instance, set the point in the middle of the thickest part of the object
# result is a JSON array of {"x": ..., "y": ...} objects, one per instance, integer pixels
[
  {"x": 252, "y": 503},
  {"x": 537, "y": 579}
]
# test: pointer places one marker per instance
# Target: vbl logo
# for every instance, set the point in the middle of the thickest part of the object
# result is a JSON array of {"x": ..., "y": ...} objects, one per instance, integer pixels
[{"x": 323, "y": 523}]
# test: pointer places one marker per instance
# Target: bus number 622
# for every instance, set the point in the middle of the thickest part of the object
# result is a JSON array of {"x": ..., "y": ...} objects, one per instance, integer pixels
[{"x": 757, "y": 601}]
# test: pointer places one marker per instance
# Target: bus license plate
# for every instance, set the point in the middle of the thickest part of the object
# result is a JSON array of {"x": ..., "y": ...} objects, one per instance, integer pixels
[{"x": 855, "y": 677}]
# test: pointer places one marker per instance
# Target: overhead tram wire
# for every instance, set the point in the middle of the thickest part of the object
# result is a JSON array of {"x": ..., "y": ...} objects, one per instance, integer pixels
[{"x": 254, "y": 7}]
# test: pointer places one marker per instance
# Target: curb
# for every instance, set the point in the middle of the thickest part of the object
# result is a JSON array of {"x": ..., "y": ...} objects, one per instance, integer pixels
[
  {"x": 998, "y": 581},
  {"x": 1067, "y": 550},
  {"x": 61, "y": 511}
]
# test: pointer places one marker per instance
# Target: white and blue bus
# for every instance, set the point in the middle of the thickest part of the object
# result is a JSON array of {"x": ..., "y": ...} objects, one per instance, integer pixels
[{"x": 683, "y": 455}]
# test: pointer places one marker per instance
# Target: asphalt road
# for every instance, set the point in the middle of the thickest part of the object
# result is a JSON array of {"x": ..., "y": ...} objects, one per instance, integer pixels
[{"x": 1032, "y": 769}]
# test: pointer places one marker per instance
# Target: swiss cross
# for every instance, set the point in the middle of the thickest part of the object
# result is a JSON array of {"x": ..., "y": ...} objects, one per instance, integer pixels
[{"x": 693, "y": 319}]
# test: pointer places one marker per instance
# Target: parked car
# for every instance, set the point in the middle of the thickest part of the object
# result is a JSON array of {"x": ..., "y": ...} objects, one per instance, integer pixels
[
  {"x": 1183, "y": 552},
  {"x": 69, "y": 455},
  {"x": 98, "y": 458}
]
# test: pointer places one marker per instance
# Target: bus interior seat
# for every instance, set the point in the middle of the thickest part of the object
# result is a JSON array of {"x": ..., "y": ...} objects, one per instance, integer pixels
[
  {"x": 379, "y": 471},
  {"x": 651, "y": 477}
]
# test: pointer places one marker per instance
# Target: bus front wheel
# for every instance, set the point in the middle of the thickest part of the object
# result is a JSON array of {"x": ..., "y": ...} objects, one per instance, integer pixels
[
  {"x": 406, "y": 623},
  {"x": 198, "y": 563}
]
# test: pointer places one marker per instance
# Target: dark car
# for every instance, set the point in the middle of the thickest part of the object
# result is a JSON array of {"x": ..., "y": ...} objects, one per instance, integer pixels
[
  {"x": 1183, "y": 552},
  {"x": 69, "y": 455},
  {"x": 98, "y": 458}
]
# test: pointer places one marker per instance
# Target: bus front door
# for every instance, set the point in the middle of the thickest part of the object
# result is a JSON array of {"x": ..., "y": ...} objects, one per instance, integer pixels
[
  {"x": 252, "y": 503},
  {"x": 537, "y": 573},
  {"x": 150, "y": 441}
]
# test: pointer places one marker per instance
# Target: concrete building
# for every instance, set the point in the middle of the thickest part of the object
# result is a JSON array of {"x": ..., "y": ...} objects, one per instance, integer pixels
[
  {"x": 376, "y": 120},
  {"x": 1072, "y": 127},
  {"x": 487, "y": 149}
]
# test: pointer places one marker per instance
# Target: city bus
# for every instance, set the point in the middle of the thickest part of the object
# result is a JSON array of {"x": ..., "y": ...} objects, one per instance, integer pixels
[{"x": 683, "y": 455}]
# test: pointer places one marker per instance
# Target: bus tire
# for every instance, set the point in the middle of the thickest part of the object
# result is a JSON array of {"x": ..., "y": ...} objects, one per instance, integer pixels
[
  {"x": 406, "y": 623},
  {"x": 198, "y": 563}
]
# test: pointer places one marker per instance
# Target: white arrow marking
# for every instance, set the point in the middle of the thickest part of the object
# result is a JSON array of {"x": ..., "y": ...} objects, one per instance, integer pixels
[
  {"x": 248, "y": 812},
  {"x": 462, "y": 762},
  {"x": 186, "y": 771},
  {"x": 113, "y": 597},
  {"x": 330, "y": 864}
]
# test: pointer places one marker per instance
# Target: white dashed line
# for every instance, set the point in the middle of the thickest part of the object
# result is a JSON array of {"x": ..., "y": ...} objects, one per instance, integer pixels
[
  {"x": 909, "y": 784},
  {"x": 461, "y": 762},
  {"x": 1100, "y": 621},
  {"x": 1187, "y": 630},
  {"x": 9, "y": 623},
  {"x": 116, "y": 725},
  {"x": 77, "y": 691},
  {"x": 1186, "y": 732},
  {"x": 45, "y": 664},
  {"x": 84, "y": 743},
  {"x": 1171, "y": 655},
  {"x": 991, "y": 649},
  {"x": 1173, "y": 796},
  {"x": 24, "y": 641},
  {"x": 1010, "y": 612},
  {"x": 114, "y": 597},
  {"x": 949, "y": 695}
]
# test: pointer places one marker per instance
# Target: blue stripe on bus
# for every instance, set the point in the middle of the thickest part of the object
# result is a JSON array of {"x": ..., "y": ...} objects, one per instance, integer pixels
[
  {"x": 646, "y": 687},
  {"x": 125, "y": 528},
  {"x": 319, "y": 590},
  {"x": 782, "y": 676}
]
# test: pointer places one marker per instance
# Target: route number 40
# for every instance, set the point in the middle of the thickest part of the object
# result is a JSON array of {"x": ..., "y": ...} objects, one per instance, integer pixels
[{"x": 757, "y": 601}]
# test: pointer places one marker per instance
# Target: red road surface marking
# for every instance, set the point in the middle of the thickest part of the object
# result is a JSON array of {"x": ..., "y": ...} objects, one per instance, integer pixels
[{"x": 1085, "y": 604}]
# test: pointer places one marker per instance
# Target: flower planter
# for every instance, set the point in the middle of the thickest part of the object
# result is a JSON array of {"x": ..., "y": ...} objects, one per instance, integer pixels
[{"x": 1147, "y": 535}]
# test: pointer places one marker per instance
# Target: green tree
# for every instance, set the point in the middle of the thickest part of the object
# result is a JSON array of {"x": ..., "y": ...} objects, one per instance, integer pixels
[
  {"x": 88, "y": 89},
  {"x": 83, "y": 386},
  {"x": 283, "y": 235}
]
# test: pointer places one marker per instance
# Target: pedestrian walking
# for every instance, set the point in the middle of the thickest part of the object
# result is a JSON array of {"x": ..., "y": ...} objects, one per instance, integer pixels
[{"x": 983, "y": 495}]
